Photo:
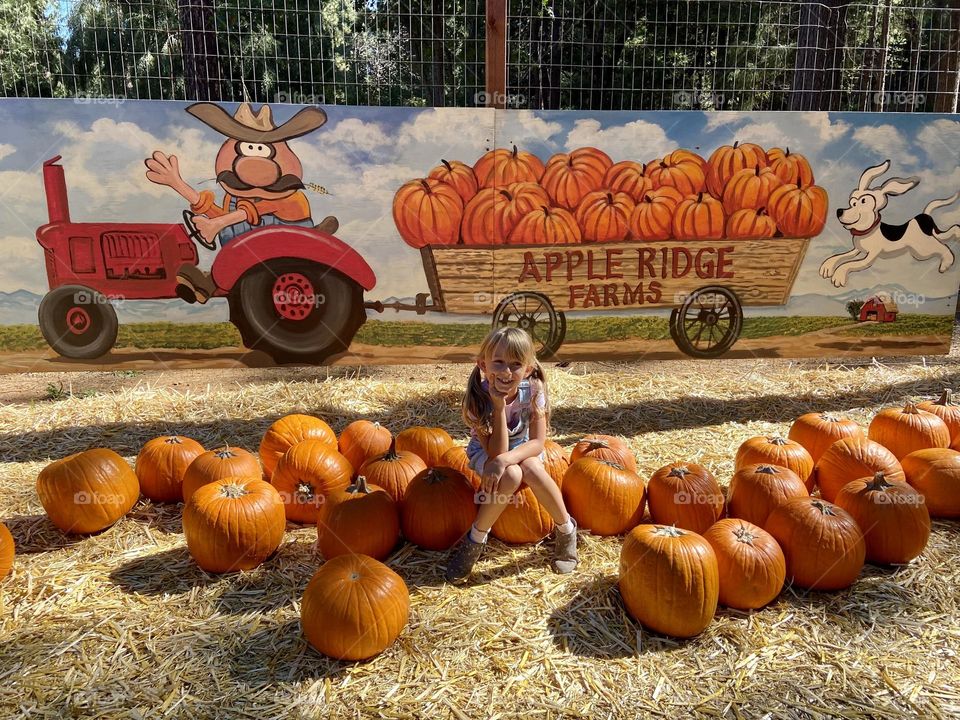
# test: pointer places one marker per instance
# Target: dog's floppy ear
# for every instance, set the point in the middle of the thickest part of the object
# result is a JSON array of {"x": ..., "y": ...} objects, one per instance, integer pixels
[
  {"x": 898, "y": 186},
  {"x": 872, "y": 173}
]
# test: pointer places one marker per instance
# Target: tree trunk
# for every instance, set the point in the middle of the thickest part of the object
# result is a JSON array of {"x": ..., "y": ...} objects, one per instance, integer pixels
[
  {"x": 437, "y": 64},
  {"x": 201, "y": 62},
  {"x": 816, "y": 42}
]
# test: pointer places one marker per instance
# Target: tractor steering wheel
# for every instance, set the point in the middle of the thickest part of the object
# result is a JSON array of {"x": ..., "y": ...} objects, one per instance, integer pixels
[{"x": 193, "y": 233}]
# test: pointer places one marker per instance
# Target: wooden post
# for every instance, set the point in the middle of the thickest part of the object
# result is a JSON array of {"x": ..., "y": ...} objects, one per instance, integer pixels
[{"x": 496, "y": 65}]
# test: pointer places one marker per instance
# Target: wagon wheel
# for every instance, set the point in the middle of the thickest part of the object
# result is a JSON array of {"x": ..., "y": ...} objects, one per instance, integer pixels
[
  {"x": 534, "y": 313},
  {"x": 708, "y": 323}
]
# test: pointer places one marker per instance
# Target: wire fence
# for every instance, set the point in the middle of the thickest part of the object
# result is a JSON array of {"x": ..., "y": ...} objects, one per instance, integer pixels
[{"x": 559, "y": 54}]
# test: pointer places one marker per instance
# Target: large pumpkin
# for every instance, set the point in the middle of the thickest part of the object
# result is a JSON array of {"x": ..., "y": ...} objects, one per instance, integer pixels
[
  {"x": 88, "y": 491},
  {"x": 604, "y": 216},
  {"x": 428, "y": 212},
  {"x": 679, "y": 170},
  {"x": 569, "y": 177},
  {"x": 935, "y": 473},
  {"x": 751, "y": 564},
  {"x": 546, "y": 226},
  {"x": 800, "y": 212},
  {"x": 490, "y": 216},
  {"x": 361, "y": 519},
  {"x": 523, "y": 520},
  {"x": 603, "y": 496},
  {"x": 902, "y": 431},
  {"x": 354, "y": 607},
  {"x": 430, "y": 443},
  {"x": 233, "y": 524},
  {"x": 727, "y": 160},
  {"x": 775, "y": 450},
  {"x": 437, "y": 509},
  {"x": 456, "y": 458},
  {"x": 892, "y": 516},
  {"x": 818, "y": 431},
  {"x": 851, "y": 458},
  {"x": 749, "y": 224},
  {"x": 362, "y": 440},
  {"x": 627, "y": 176},
  {"x": 502, "y": 167},
  {"x": 791, "y": 168},
  {"x": 822, "y": 543},
  {"x": 757, "y": 489},
  {"x": 393, "y": 471},
  {"x": 556, "y": 461},
  {"x": 669, "y": 579},
  {"x": 944, "y": 409},
  {"x": 7, "y": 551},
  {"x": 652, "y": 217},
  {"x": 604, "y": 447},
  {"x": 306, "y": 474},
  {"x": 287, "y": 432},
  {"x": 686, "y": 495},
  {"x": 749, "y": 188},
  {"x": 220, "y": 463},
  {"x": 459, "y": 176},
  {"x": 698, "y": 217},
  {"x": 161, "y": 465}
]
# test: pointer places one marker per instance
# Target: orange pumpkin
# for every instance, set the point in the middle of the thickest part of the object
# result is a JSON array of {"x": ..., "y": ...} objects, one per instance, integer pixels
[
  {"x": 698, "y": 217},
  {"x": 818, "y": 431},
  {"x": 161, "y": 464},
  {"x": 749, "y": 188},
  {"x": 393, "y": 471},
  {"x": 757, "y": 489},
  {"x": 306, "y": 474},
  {"x": 430, "y": 443},
  {"x": 362, "y": 440},
  {"x": 669, "y": 579},
  {"x": 946, "y": 411},
  {"x": 360, "y": 519},
  {"x": 523, "y": 520},
  {"x": 7, "y": 551},
  {"x": 459, "y": 176},
  {"x": 428, "y": 212},
  {"x": 604, "y": 447},
  {"x": 556, "y": 461},
  {"x": 652, "y": 217},
  {"x": 287, "y": 432},
  {"x": 727, "y": 160},
  {"x": 751, "y": 564},
  {"x": 569, "y": 177},
  {"x": 686, "y": 495},
  {"x": 456, "y": 458},
  {"x": 233, "y": 524},
  {"x": 437, "y": 509},
  {"x": 88, "y": 491},
  {"x": 502, "y": 167},
  {"x": 892, "y": 516},
  {"x": 800, "y": 212},
  {"x": 490, "y": 216},
  {"x": 851, "y": 458},
  {"x": 546, "y": 226},
  {"x": 220, "y": 463},
  {"x": 354, "y": 607},
  {"x": 935, "y": 474},
  {"x": 627, "y": 176},
  {"x": 791, "y": 168},
  {"x": 822, "y": 543},
  {"x": 904, "y": 431},
  {"x": 679, "y": 170},
  {"x": 774, "y": 450},
  {"x": 603, "y": 496},
  {"x": 604, "y": 216},
  {"x": 750, "y": 224}
]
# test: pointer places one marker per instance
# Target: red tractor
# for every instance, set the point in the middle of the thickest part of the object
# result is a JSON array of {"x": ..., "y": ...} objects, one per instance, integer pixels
[{"x": 295, "y": 293}]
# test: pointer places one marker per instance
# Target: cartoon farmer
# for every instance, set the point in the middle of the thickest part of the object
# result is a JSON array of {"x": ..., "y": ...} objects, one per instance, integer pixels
[{"x": 261, "y": 175}]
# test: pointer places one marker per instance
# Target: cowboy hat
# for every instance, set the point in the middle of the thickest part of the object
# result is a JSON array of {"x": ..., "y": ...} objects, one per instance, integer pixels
[{"x": 248, "y": 126}]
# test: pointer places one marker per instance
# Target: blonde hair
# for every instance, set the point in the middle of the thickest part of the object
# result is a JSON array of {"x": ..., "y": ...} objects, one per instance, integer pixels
[{"x": 516, "y": 346}]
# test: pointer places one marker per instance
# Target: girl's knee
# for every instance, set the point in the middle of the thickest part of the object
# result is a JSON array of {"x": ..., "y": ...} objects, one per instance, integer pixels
[
  {"x": 512, "y": 477},
  {"x": 533, "y": 471}
]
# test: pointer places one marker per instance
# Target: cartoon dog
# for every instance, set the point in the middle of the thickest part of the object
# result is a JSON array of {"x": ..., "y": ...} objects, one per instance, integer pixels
[{"x": 873, "y": 239}]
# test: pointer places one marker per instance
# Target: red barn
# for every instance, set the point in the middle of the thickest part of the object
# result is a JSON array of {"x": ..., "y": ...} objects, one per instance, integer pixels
[{"x": 878, "y": 309}]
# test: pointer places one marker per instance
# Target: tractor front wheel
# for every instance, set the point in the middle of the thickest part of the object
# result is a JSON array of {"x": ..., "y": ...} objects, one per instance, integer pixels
[{"x": 78, "y": 322}]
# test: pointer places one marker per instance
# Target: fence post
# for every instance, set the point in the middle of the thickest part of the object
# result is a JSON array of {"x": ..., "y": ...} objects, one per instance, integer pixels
[{"x": 496, "y": 48}]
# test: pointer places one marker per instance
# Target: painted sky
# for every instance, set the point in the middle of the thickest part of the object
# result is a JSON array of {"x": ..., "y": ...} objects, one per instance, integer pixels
[{"x": 362, "y": 155}]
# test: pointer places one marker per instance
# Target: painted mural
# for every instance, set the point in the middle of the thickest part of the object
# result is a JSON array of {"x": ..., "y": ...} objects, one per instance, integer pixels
[{"x": 165, "y": 234}]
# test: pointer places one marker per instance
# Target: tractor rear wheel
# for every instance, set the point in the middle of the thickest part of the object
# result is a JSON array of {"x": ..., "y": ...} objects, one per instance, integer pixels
[{"x": 78, "y": 322}]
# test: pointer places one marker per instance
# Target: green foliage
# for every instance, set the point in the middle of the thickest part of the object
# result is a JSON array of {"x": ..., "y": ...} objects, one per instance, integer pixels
[
  {"x": 854, "y": 307},
  {"x": 907, "y": 324},
  {"x": 757, "y": 327}
]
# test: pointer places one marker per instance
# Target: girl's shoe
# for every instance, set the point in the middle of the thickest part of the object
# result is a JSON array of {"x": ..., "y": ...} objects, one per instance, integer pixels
[
  {"x": 462, "y": 559},
  {"x": 565, "y": 558}
]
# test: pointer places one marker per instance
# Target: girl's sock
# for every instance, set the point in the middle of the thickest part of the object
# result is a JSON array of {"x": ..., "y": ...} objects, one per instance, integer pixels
[
  {"x": 567, "y": 527},
  {"x": 478, "y": 536}
]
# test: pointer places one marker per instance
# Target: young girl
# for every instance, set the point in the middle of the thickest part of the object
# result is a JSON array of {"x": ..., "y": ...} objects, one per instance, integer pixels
[{"x": 508, "y": 414}]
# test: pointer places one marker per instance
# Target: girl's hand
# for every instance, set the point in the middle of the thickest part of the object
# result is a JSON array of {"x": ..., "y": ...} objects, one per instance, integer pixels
[
  {"x": 497, "y": 397},
  {"x": 491, "y": 476}
]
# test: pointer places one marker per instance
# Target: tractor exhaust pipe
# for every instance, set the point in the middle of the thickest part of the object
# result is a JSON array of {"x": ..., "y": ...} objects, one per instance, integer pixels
[{"x": 55, "y": 186}]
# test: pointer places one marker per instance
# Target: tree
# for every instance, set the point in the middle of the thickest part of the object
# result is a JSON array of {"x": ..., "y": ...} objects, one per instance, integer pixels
[{"x": 853, "y": 308}]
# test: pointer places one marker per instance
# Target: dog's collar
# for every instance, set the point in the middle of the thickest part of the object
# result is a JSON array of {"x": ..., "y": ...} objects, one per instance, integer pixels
[{"x": 867, "y": 231}]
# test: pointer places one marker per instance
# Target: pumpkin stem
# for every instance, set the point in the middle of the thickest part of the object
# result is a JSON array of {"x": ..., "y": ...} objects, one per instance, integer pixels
[
  {"x": 426, "y": 185},
  {"x": 224, "y": 453},
  {"x": 756, "y": 170},
  {"x": 447, "y": 165},
  {"x": 609, "y": 198},
  {"x": 647, "y": 198},
  {"x": 305, "y": 490},
  {"x": 735, "y": 143},
  {"x": 700, "y": 196},
  {"x": 879, "y": 482},
  {"x": 944, "y": 397},
  {"x": 546, "y": 211},
  {"x": 823, "y": 506},
  {"x": 506, "y": 194},
  {"x": 762, "y": 211},
  {"x": 777, "y": 440},
  {"x": 360, "y": 486},
  {"x": 613, "y": 464},
  {"x": 173, "y": 440},
  {"x": 595, "y": 443},
  {"x": 744, "y": 535},
  {"x": 766, "y": 470},
  {"x": 233, "y": 490},
  {"x": 515, "y": 151},
  {"x": 668, "y": 531},
  {"x": 910, "y": 409},
  {"x": 679, "y": 471},
  {"x": 663, "y": 164}
]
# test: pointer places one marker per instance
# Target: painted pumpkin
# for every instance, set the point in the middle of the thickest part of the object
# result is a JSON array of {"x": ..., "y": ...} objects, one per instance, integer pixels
[
  {"x": 627, "y": 176},
  {"x": 604, "y": 447},
  {"x": 287, "y": 432},
  {"x": 800, "y": 212},
  {"x": 669, "y": 579},
  {"x": 727, "y": 160},
  {"x": 306, "y": 474},
  {"x": 393, "y": 471},
  {"x": 935, "y": 474},
  {"x": 437, "y": 509},
  {"x": 569, "y": 177},
  {"x": 161, "y": 465},
  {"x": 757, "y": 489},
  {"x": 698, "y": 217},
  {"x": 652, "y": 217},
  {"x": 233, "y": 524},
  {"x": 851, "y": 458},
  {"x": 686, "y": 495},
  {"x": 362, "y": 440},
  {"x": 822, "y": 543},
  {"x": 818, "y": 431},
  {"x": 546, "y": 226},
  {"x": 502, "y": 167},
  {"x": 490, "y": 216},
  {"x": 456, "y": 458},
  {"x": 791, "y": 168},
  {"x": 892, "y": 516},
  {"x": 902, "y": 431},
  {"x": 428, "y": 212},
  {"x": 354, "y": 608},
  {"x": 430, "y": 443},
  {"x": 944, "y": 409},
  {"x": 680, "y": 171},
  {"x": 220, "y": 463},
  {"x": 750, "y": 563},
  {"x": 7, "y": 551},
  {"x": 459, "y": 176},
  {"x": 604, "y": 216},
  {"x": 88, "y": 491},
  {"x": 360, "y": 519},
  {"x": 749, "y": 188},
  {"x": 750, "y": 225},
  {"x": 604, "y": 497},
  {"x": 775, "y": 450}
]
